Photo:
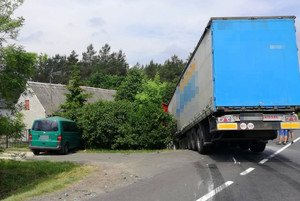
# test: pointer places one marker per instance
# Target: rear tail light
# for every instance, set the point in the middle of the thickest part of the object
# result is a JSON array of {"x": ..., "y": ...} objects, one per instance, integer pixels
[
  {"x": 30, "y": 137},
  {"x": 59, "y": 138}
]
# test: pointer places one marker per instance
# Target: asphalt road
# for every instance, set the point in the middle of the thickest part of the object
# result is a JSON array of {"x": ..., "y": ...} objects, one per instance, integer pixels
[{"x": 226, "y": 174}]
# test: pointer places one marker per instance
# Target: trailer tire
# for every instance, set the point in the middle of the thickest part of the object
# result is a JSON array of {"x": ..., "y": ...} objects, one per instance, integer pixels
[
  {"x": 244, "y": 145},
  {"x": 202, "y": 149},
  {"x": 189, "y": 141},
  {"x": 194, "y": 139},
  {"x": 258, "y": 147}
]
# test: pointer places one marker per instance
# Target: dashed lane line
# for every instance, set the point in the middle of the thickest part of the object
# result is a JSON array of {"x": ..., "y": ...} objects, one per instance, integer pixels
[
  {"x": 228, "y": 183},
  {"x": 247, "y": 171},
  {"x": 215, "y": 191},
  {"x": 277, "y": 152}
]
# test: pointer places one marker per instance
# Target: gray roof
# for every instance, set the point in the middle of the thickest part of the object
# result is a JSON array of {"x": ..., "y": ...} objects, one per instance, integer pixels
[
  {"x": 52, "y": 95},
  {"x": 2, "y": 103}
]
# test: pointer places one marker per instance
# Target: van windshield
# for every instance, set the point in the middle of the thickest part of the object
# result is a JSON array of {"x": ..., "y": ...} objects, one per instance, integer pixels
[{"x": 45, "y": 125}]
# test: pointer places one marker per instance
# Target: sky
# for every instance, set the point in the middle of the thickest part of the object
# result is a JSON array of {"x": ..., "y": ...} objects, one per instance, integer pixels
[{"x": 144, "y": 30}]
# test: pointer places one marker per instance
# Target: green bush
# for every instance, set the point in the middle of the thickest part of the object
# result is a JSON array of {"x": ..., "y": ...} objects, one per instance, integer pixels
[{"x": 124, "y": 125}]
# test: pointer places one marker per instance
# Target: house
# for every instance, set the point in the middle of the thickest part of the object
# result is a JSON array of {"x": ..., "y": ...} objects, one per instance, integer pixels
[
  {"x": 40, "y": 100},
  {"x": 4, "y": 111}
]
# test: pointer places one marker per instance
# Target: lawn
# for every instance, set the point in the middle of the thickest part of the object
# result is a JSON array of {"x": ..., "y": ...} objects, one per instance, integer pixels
[{"x": 20, "y": 180}]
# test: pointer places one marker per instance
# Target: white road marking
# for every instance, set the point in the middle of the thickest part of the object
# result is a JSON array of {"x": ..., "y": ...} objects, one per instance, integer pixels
[
  {"x": 247, "y": 171},
  {"x": 234, "y": 160},
  {"x": 277, "y": 152},
  {"x": 215, "y": 191}
]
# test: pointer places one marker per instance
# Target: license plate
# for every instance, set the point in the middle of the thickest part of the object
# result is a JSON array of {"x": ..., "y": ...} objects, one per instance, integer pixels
[{"x": 44, "y": 137}]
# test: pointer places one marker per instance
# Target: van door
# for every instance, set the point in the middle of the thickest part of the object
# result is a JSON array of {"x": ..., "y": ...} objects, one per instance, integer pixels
[{"x": 44, "y": 133}]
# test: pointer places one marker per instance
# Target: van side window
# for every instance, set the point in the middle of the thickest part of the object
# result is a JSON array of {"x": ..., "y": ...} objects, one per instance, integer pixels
[{"x": 69, "y": 126}]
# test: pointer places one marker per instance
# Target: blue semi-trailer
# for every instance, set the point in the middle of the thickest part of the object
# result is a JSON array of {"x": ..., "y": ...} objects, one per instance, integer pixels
[{"x": 241, "y": 84}]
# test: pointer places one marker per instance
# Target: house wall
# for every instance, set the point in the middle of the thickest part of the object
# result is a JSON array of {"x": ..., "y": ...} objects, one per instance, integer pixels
[{"x": 36, "y": 110}]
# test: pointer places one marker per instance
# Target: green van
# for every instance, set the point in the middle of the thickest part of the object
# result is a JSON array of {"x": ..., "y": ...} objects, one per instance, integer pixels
[{"x": 53, "y": 133}]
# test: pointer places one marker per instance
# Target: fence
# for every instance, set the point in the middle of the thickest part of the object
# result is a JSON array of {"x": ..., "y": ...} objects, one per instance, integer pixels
[{"x": 23, "y": 142}]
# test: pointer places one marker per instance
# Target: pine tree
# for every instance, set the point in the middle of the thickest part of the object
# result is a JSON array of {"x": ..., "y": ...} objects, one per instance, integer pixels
[{"x": 76, "y": 97}]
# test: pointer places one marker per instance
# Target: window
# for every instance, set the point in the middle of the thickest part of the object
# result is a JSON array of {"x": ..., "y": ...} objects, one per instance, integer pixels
[
  {"x": 45, "y": 125},
  {"x": 69, "y": 127},
  {"x": 27, "y": 105}
]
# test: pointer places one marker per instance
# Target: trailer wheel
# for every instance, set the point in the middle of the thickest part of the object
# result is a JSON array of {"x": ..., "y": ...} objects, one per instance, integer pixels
[
  {"x": 36, "y": 152},
  {"x": 244, "y": 145},
  {"x": 258, "y": 147},
  {"x": 194, "y": 139},
  {"x": 189, "y": 140},
  {"x": 202, "y": 149}
]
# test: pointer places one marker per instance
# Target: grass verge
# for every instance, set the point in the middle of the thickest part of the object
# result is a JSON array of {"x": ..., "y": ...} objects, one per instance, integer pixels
[
  {"x": 16, "y": 149},
  {"x": 122, "y": 151},
  {"x": 23, "y": 180}
]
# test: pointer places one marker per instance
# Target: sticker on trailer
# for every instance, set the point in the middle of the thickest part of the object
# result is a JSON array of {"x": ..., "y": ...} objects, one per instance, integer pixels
[
  {"x": 243, "y": 126},
  {"x": 250, "y": 126}
]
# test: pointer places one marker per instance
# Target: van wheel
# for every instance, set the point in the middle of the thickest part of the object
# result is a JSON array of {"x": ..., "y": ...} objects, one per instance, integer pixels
[
  {"x": 35, "y": 152},
  {"x": 66, "y": 149}
]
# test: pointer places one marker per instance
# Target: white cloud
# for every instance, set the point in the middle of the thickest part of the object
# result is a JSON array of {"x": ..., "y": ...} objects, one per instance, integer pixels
[{"x": 144, "y": 30}]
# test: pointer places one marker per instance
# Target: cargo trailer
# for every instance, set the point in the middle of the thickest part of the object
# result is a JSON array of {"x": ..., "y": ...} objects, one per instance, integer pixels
[{"x": 241, "y": 84}]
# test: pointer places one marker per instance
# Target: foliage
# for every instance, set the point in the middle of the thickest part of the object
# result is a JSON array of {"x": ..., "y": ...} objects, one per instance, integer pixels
[
  {"x": 171, "y": 69},
  {"x": 152, "y": 69},
  {"x": 75, "y": 98},
  {"x": 105, "y": 62},
  {"x": 9, "y": 25},
  {"x": 149, "y": 127},
  {"x": 124, "y": 125},
  {"x": 152, "y": 92},
  {"x": 13, "y": 126},
  {"x": 56, "y": 69},
  {"x": 170, "y": 87},
  {"x": 101, "y": 122},
  {"x": 105, "y": 81},
  {"x": 131, "y": 86},
  {"x": 16, "y": 67},
  {"x": 111, "y": 63}
]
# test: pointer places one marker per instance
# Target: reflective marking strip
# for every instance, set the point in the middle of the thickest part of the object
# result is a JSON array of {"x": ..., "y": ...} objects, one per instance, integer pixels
[
  {"x": 227, "y": 126},
  {"x": 277, "y": 152},
  {"x": 287, "y": 125},
  {"x": 247, "y": 171},
  {"x": 215, "y": 191}
]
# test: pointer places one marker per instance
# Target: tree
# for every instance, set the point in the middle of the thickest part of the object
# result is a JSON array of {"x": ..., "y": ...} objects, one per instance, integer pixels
[
  {"x": 111, "y": 63},
  {"x": 152, "y": 92},
  {"x": 105, "y": 81},
  {"x": 12, "y": 127},
  {"x": 16, "y": 69},
  {"x": 88, "y": 61},
  {"x": 151, "y": 69},
  {"x": 75, "y": 99},
  {"x": 171, "y": 69},
  {"x": 9, "y": 25},
  {"x": 131, "y": 86},
  {"x": 41, "y": 72}
]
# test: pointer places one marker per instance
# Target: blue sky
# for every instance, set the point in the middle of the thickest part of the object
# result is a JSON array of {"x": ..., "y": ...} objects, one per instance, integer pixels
[{"x": 144, "y": 29}]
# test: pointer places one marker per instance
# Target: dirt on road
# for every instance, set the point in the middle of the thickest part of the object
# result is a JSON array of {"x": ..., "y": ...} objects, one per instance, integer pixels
[{"x": 114, "y": 171}]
